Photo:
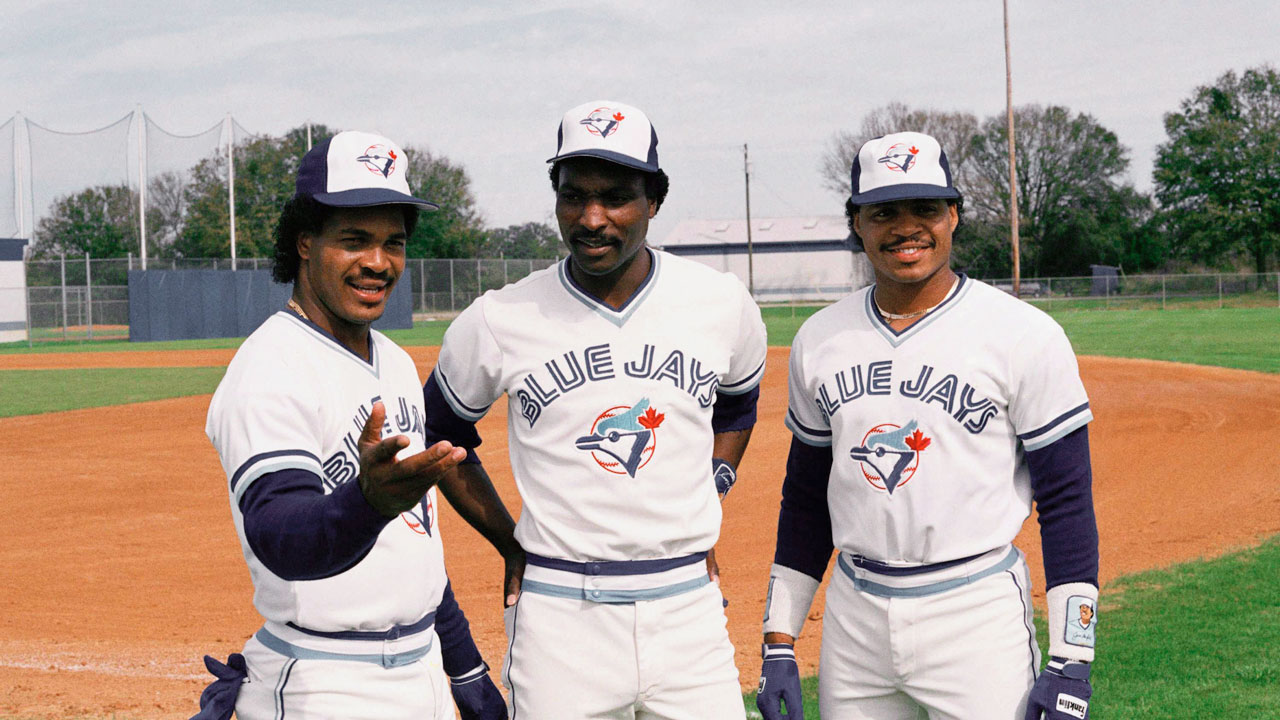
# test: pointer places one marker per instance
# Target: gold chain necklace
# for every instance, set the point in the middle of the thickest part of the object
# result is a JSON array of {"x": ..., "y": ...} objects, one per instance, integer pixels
[
  {"x": 916, "y": 314},
  {"x": 294, "y": 306}
]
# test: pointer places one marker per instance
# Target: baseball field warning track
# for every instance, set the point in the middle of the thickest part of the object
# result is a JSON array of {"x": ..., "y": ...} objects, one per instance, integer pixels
[{"x": 121, "y": 566}]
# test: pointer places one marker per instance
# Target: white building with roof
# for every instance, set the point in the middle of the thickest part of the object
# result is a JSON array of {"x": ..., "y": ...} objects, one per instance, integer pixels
[{"x": 793, "y": 258}]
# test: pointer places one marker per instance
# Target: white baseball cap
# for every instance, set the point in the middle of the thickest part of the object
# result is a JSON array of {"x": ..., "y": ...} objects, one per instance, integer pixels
[
  {"x": 901, "y": 166},
  {"x": 357, "y": 169},
  {"x": 610, "y": 131}
]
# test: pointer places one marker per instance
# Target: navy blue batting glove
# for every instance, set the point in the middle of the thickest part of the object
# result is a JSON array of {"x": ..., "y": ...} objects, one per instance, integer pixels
[
  {"x": 779, "y": 684},
  {"x": 1061, "y": 692},
  {"x": 724, "y": 475},
  {"x": 477, "y": 697}
]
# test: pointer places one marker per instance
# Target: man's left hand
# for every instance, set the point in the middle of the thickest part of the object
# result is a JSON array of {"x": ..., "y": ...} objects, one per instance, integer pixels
[
  {"x": 1061, "y": 692},
  {"x": 478, "y": 698}
]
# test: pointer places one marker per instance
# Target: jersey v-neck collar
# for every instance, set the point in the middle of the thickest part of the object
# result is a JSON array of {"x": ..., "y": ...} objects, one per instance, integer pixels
[
  {"x": 620, "y": 316},
  {"x": 373, "y": 364},
  {"x": 896, "y": 338}
]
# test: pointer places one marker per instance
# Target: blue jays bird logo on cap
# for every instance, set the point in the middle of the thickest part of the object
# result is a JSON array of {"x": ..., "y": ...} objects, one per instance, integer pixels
[
  {"x": 379, "y": 159},
  {"x": 890, "y": 454},
  {"x": 623, "y": 438},
  {"x": 900, "y": 157},
  {"x": 602, "y": 121}
]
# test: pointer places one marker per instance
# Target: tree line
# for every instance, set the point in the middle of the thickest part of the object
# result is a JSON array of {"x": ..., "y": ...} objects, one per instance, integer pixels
[
  {"x": 188, "y": 216},
  {"x": 1215, "y": 203},
  {"x": 1216, "y": 199}
]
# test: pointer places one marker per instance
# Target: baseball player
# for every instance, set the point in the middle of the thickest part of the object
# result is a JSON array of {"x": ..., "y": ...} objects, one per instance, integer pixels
[
  {"x": 320, "y": 427},
  {"x": 928, "y": 411},
  {"x": 631, "y": 379}
]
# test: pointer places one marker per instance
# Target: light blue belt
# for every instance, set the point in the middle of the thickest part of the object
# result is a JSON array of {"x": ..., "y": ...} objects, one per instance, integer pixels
[
  {"x": 615, "y": 568},
  {"x": 388, "y": 660},
  {"x": 874, "y": 588}
]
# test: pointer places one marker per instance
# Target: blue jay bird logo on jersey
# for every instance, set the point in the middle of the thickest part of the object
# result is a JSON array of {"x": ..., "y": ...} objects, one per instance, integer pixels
[
  {"x": 379, "y": 159},
  {"x": 900, "y": 158},
  {"x": 623, "y": 438},
  {"x": 420, "y": 519},
  {"x": 890, "y": 454},
  {"x": 602, "y": 121}
]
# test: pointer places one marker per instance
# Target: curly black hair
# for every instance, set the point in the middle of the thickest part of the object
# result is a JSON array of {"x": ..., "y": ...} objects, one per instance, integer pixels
[
  {"x": 656, "y": 184},
  {"x": 850, "y": 210},
  {"x": 303, "y": 214}
]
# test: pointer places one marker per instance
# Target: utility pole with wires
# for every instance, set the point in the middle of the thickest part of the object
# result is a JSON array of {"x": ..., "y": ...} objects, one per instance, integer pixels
[
  {"x": 746, "y": 175},
  {"x": 1013, "y": 163}
]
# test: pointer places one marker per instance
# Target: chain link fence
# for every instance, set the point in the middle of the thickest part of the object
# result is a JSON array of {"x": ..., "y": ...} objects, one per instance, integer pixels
[{"x": 81, "y": 298}]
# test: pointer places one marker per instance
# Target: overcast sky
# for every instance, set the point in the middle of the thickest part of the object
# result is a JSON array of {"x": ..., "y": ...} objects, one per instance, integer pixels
[{"x": 485, "y": 83}]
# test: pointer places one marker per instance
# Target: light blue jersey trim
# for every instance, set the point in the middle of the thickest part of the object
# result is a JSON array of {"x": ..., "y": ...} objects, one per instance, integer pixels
[
  {"x": 297, "y": 461},
  {"x": 874, "y": 588},
  {"x": 388, "y": 660},
  {"x": 612, "y": 596},
  {"x": 459, "y": 408},
  {"x": 745, "y": 385},
  {"x": 893, "y": 336},
  {"x": 807, "y": 435},
  {"x": 617, "y": 317}
]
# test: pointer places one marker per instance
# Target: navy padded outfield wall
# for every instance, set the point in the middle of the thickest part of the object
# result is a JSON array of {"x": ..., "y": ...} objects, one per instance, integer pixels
[{"x": 189, "y": 304}]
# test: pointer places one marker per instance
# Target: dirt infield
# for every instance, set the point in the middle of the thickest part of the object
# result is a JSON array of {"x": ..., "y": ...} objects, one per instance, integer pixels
[{"x": 121, "y": 567}]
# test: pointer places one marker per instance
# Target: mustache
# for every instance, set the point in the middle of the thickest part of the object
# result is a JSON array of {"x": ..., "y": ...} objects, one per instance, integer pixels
[
  {"x": 597, "y": 237},
  {"x": 367, "y": 274}
]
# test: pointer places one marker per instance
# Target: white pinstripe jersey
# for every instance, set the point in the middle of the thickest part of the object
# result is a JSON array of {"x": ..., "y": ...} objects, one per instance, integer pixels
[
  {"x": 294, "y": 398},
  {"x": 609, "y": 421},
  {"x": 928, "y": 427}
]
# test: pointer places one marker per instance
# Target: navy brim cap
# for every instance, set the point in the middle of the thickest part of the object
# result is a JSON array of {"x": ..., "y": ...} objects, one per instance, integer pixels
[
  {"x": 371, "y": 197},
  {"x": 905, "y": 191},
  {"x": 613, "y": 157}
]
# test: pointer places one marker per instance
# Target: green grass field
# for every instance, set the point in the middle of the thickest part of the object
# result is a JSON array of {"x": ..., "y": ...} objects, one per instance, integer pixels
[
  {"x": 1197, "y": 641},
  {"x": 1201, "y": 640}
]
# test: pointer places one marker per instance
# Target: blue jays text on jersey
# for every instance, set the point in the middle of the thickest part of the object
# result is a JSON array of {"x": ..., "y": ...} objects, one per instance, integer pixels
[
  {"x": 958, "y": 398},
  {"x": 574, "y": 369},
  {"x": 403, "y": 418}
]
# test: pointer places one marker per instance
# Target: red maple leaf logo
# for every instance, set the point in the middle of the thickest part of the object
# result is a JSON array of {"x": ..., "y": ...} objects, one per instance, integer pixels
[
  {"x": 392, "y": 153},
  {"x": 914, "y": 150},
  {"x": 917, "y": 441},
  {"x": 618, "y": 116},
  {"x": 651, "y": 419}
]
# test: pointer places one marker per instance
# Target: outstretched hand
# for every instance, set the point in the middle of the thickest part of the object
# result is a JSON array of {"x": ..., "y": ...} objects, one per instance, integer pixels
[{"x": 392, "y": 486}]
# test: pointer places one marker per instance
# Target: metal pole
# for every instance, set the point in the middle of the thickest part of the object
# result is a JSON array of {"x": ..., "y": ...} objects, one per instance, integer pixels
[
  {"x": 64, "y": 296},
  {"x": 308, "y": 135},
  {"x": 746, "y": 176},
  {"x": 142, "y": 185},
  {"x": 88, "y": 296},
  {"x": 231, "y": 184},
  {"x": 1013, "y": 164},
  {"x": 19, "y": 197}
]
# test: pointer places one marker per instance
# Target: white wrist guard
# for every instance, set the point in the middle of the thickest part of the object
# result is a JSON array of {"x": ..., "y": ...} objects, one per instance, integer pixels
[
  {"x": 790, "y": 595},
  {"x": 1073, "y": 621}
]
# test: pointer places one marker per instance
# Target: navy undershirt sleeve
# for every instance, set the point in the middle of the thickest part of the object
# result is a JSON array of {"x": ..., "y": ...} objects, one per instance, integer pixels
[
  {"x": 1062, "y": 485},
  {"x": 458, "y": 651},
  {"x": 443, "y": 424},
  {"x": 300, "y": 533},
  {"x": 734, "y": 412},
  {"x": 804, "y": 522}
]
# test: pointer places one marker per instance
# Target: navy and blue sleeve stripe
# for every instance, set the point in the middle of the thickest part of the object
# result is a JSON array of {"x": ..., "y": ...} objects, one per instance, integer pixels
[
  {"x": 746, "y": 384},
  {"x": 263, "y": 463},
  {"x": 455, "y": 403},
  {"x": 299, "y": 533},
  {"x": 804, "y": 521},
  {"x": 458, "y": 651},
  {"x": 444, "y": 424},
  {"x": 1057, "y": 428},
  {"x": 735, "y": 412},
  {"x": 811, "y": 436},
  {"x": 1062, "y": 485}
]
